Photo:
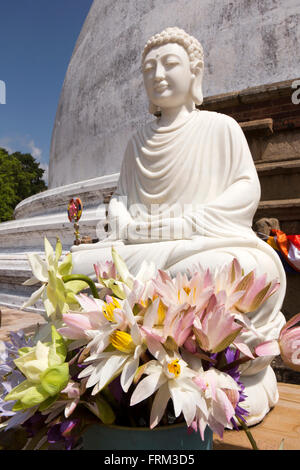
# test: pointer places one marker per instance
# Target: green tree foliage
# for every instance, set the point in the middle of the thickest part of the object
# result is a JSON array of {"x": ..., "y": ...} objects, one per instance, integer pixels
[{"x": 20, "y": 177}]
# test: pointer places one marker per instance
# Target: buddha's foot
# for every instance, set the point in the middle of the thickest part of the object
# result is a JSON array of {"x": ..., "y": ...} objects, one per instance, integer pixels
[{"x": 262, "y": 394}]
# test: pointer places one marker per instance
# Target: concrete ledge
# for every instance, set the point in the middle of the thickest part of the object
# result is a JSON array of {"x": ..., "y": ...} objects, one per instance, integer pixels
[
  {"x": 92, "y": 192},
  {"x": 249, "y": 95}
]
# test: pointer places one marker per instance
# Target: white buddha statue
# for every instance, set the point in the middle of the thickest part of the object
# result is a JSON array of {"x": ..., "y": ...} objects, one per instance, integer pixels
[{"x": 187, "y": 193}]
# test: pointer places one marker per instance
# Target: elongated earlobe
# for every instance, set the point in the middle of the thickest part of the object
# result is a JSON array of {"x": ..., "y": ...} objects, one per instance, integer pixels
[{"x": 196, "y": 87}]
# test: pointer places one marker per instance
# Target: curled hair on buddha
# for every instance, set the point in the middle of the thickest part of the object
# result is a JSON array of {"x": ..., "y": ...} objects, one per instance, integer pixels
[{"x": 194, "y": 51}]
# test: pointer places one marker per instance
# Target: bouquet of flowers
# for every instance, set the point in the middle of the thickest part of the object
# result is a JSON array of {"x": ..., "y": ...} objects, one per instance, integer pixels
[{"x": 142, "y": 350}]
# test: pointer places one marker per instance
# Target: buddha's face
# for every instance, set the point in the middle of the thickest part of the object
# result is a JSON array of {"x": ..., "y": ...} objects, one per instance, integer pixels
[{"x": 167, "y": 75}]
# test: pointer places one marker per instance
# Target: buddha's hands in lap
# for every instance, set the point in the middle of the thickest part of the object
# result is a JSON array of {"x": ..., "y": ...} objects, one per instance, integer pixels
[{"x": 176, "y": 228}]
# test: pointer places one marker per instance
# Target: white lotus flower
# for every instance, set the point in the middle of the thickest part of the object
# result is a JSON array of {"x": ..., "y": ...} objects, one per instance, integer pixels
[
  {"x": 170, "y": 377},
  {"x": 49, "y": 272},
  {"x": 124, "y": 359}
]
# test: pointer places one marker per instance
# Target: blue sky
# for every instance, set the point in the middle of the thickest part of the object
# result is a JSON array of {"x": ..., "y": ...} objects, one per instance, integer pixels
[{"x": 37, "y": 38}]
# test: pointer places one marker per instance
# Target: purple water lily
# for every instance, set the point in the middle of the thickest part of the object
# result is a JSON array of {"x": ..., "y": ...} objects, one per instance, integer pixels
[
  {"x": 63, "y": 433},
  {"x": 231, "y": 356}
]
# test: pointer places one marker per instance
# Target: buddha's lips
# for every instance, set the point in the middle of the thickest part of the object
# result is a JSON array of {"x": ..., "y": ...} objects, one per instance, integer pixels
[{"x": 160, "y": 87}]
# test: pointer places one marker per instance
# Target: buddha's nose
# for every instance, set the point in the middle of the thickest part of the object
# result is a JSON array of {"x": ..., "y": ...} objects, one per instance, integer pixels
[{"x": 159, "y": 72}]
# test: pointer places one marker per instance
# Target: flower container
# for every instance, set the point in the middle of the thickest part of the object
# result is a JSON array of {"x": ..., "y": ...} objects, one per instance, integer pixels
[{"x": 173, "y": 437}]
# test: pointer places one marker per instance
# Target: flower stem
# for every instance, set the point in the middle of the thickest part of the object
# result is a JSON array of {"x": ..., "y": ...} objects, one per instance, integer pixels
[
  {"x": 248, "y": 433},
  {"x": 82, "y": 277}
]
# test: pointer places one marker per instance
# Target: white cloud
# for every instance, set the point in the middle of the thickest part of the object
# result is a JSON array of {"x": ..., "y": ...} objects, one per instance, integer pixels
[
  {"x": 34, "y": 150},
  {"x": 21, "y": 144},
  {"x": 5, "y": 142},
  {"x": 45, "y": 167}
]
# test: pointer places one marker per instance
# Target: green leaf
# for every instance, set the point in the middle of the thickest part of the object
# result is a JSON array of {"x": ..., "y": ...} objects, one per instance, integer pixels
[
  {"x": 76, "y": 286},
  {"x": 102, "y": 410},
  {"x": 24, "y": 350},
  {"x": 47, "y": 403},
  {"x": 55, "y": 379},
  {"x": 49, "y": 307},
  {"x": 49, "y": 253},
  {"x": 65, "y": 267},
  {"x": 56, "y": 290},
  {"x": 116, "y": 288},
  {"x": 32, "y": 395},
  {"x": 18, "y": 392},
  {"x": 19, "y": 406},
  {"x": 58, "y": 249},
  {"x": 58, "y": 348},
  {"x": 72, "y": 301}
]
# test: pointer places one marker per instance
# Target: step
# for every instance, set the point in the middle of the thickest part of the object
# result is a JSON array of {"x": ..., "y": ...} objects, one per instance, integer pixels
[
  {"x": 279, "y": 180},
  {"x": 285, "y": 210}
]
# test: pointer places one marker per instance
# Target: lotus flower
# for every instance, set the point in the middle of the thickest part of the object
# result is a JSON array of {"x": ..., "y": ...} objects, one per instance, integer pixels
[
  {"x": 100, "y": 319},
  {"x": 216, "y": 328},
  {"x": 221, "y": 395},
  {"x": 45, "y": 371},
  {"x": 105, "y": 270},
  {"x": 123, "y": 358},
  {"x": 55, "y": 294},
  {"x": 287, "y": 345},
  {"x": 182, "y": 291},
  {"x": 170, "y": 377},
  {"x": 257, "y": 291}
]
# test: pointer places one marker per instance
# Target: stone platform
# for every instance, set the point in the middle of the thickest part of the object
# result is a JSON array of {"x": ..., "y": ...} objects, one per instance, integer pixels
[{"x": 14, "y": 320}]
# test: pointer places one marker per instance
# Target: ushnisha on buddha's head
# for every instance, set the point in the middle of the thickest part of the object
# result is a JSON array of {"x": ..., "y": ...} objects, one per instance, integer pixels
[{"x": 173, "y": 64}]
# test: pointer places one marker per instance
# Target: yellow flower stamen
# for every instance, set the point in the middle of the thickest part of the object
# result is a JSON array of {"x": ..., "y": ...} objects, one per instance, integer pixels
[
  {"x": 174, "y": 367},
  {"x": 161, "y": 313},
  {"x": 108, "y": 310},
  {"x": 145, "y": 303},
  {"x": 122, "y": 341},
  {"x": 186, "y": 289}
]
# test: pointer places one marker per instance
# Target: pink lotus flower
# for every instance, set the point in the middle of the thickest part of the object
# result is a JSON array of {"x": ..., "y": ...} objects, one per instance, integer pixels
[
  {"x": 181, "y": 328},
  {"x": 257, "y": 291},
  {"x": 182, "y": 291},
  {"x": 79, "y": 324},
  {"x": 223, "y": 281},
  {"x": 105, "y": 270},
  {"x": 220, "y": 392},
  {"x": 216, "y": 328},
  {"x": 287, "y": 345}
]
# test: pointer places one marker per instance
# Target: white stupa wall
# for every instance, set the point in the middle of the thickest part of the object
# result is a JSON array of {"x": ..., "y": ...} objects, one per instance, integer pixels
[{"x": 246, "y": 43}]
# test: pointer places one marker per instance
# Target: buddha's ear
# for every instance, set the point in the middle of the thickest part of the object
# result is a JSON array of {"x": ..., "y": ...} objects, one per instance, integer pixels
[{"x": 196, "y": 86}]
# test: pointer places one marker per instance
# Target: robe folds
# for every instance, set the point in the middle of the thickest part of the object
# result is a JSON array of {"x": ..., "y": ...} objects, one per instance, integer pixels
[{"x": 186, "y": 195}]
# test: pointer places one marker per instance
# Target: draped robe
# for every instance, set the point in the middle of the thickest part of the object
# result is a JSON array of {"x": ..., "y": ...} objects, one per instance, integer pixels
[{"x": 198, "y": 176}]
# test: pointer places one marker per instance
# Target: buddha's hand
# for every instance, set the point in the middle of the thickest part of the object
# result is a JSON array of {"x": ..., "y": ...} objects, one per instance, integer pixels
[{"x": 175, "y": 228}]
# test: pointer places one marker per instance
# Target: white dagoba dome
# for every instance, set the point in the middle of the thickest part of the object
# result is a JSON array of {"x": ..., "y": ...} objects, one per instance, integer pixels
[{"x": 103, "y": 100}]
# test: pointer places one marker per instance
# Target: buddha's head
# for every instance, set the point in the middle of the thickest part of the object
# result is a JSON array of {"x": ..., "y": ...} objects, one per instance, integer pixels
[{"x": 173, "y": 66}]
